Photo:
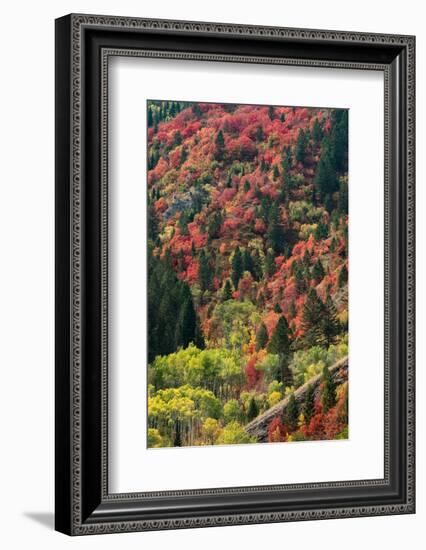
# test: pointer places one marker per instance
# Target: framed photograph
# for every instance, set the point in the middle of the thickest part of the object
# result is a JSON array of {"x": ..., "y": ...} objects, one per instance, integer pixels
[{"x": 234, "y": 274}]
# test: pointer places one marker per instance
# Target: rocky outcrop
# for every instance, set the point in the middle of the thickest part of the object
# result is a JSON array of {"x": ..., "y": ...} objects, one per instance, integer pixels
[{"x": 259, "y": 426}]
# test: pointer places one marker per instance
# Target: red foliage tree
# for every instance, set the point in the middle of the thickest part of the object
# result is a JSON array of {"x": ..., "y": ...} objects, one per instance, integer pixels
[
  {"x": 253, "y": 376},
  {"x": 277, "y": 431}
]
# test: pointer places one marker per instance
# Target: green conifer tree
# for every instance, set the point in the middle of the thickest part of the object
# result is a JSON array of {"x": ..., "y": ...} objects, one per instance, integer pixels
[
  {"x": 259, "y": 134},
  {"x": 186, "y": 326},
  {"x": 280, "y": 340},
  {"x": 309, "y": 404},
  {"x": 301, "y": 146},
  {"x": 321, "y": 232},
  {"x": 220, "y": 146},
  {"x": 318, "y": 272},
  {"x": 328, "y": 397},
  {"x": 284, "y": 374},
  {"x": 257, "y": 266},
  {"x": 292, "y": 413},
  {"x": 253, "y": 409},
  {"x": 342, "y": 203},
  {"x": 204, "y": 274},
  {"x": 275, "y": 172},
  {"x": 248, "y": 261},
  {"x": 325, "y": 181},
  {"x": 313, "y": 310},
  {"x": 343, "y": 276},
  {"x": 329, "y": 322},
  {"x": 317, "y": 131},
  {"x": 227, "y": 290},
  {"x": 270, "y": 266},
  {"x": 261, "y": 337},
  {"x": 237, "y": 267},
  {"x": 339, "y": 140},
  {"x": 150, "y": 119},
  {"x": 275, "y": 234}
]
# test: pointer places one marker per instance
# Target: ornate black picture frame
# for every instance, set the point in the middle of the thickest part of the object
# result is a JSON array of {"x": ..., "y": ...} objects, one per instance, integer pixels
[{"x": 83, "y": 45}]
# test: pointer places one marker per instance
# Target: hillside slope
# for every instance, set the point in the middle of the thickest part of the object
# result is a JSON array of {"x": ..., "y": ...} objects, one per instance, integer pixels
[{"x": 248, "y": 259}]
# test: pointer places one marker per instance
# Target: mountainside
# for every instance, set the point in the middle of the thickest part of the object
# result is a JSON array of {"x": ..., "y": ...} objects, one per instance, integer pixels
[{"x": 248, "y": 246}]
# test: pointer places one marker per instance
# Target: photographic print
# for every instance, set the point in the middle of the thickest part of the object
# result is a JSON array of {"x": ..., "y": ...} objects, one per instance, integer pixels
[{"x": 247, "y": 273}]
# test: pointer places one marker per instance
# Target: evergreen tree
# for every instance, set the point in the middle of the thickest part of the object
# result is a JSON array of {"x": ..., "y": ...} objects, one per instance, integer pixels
[
  {"x": 328, "y": 203},
  {"x": 196, "y": 109},
  {"x": 280, "y": 341},
  {"x": 287, "y": 160},
  {"x": 339, "y": 140},
  {"x": 321, "y": 232},
  {"x": 186, "y": 327},
  {"x": 237, "y": 267},
  {"x": 183, "y": 223},
  {"x": 282, "y": 117},
  {"x": 330, "y": 323},
  {"x": 301, "y": 146},
  {"x": 246, "y": 186},
  {"x": 180, "y": 261},
  {"x": 313, "y": 311},
  {"x": 326, "y": 181},
  {"x": 183, "y": 155},
  {"x": 292, "y": 413},
  {"x": 274, "y": 234},
  {"x": 318, "y": 272},
  {"x": 171, "y": 314},
  {"x": 328, "y": 397},
  {"x": 261, "y": 337},
  {"x": 277, "y": 308},
  {"x": 152, "y": 224},
  {"x": 253, "y": 409},
  {"x": 203, "y": 271},
  {"x": 265, "y": 208},
  {"x": 275, "y": 172},
  {"x": 150, "y": 119},
  {"x": 292, "y": 310},
  {"x": 284, "y": 374},
  {"x": 257, "y": 266},
  {"x": 309, "y": 404},
  {"x": 343, "y": 276},
  {"x": 342, "y": 203},
  {"x": 271, "y": 112},
  {"x": 227, "y": 290},
  {"x": 177, "y": 138},
  {"x": 283, "y": 196},
  {"x": 299, "y": 277},
  {"x": 259, "y": 135},
  {"x": 214, "y": 225},
  {"x": 307, "y": 258},
  {"x": 317, "y": 131},
  {"x": 270, "y": 266},
  {"x": 248, "y": 264},
  {"x": 220, "y": 146}
]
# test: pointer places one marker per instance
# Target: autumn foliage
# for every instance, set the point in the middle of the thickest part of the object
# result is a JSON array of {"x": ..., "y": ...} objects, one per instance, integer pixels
[{"x": 248, "y": 225}]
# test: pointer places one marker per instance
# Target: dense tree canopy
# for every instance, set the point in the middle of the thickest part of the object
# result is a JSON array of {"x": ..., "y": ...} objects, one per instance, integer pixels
[{"x": 247, "y": 270}]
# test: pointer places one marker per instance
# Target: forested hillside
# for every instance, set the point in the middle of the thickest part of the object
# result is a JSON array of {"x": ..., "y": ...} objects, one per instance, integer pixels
[{"x": 247, "y": 270}]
